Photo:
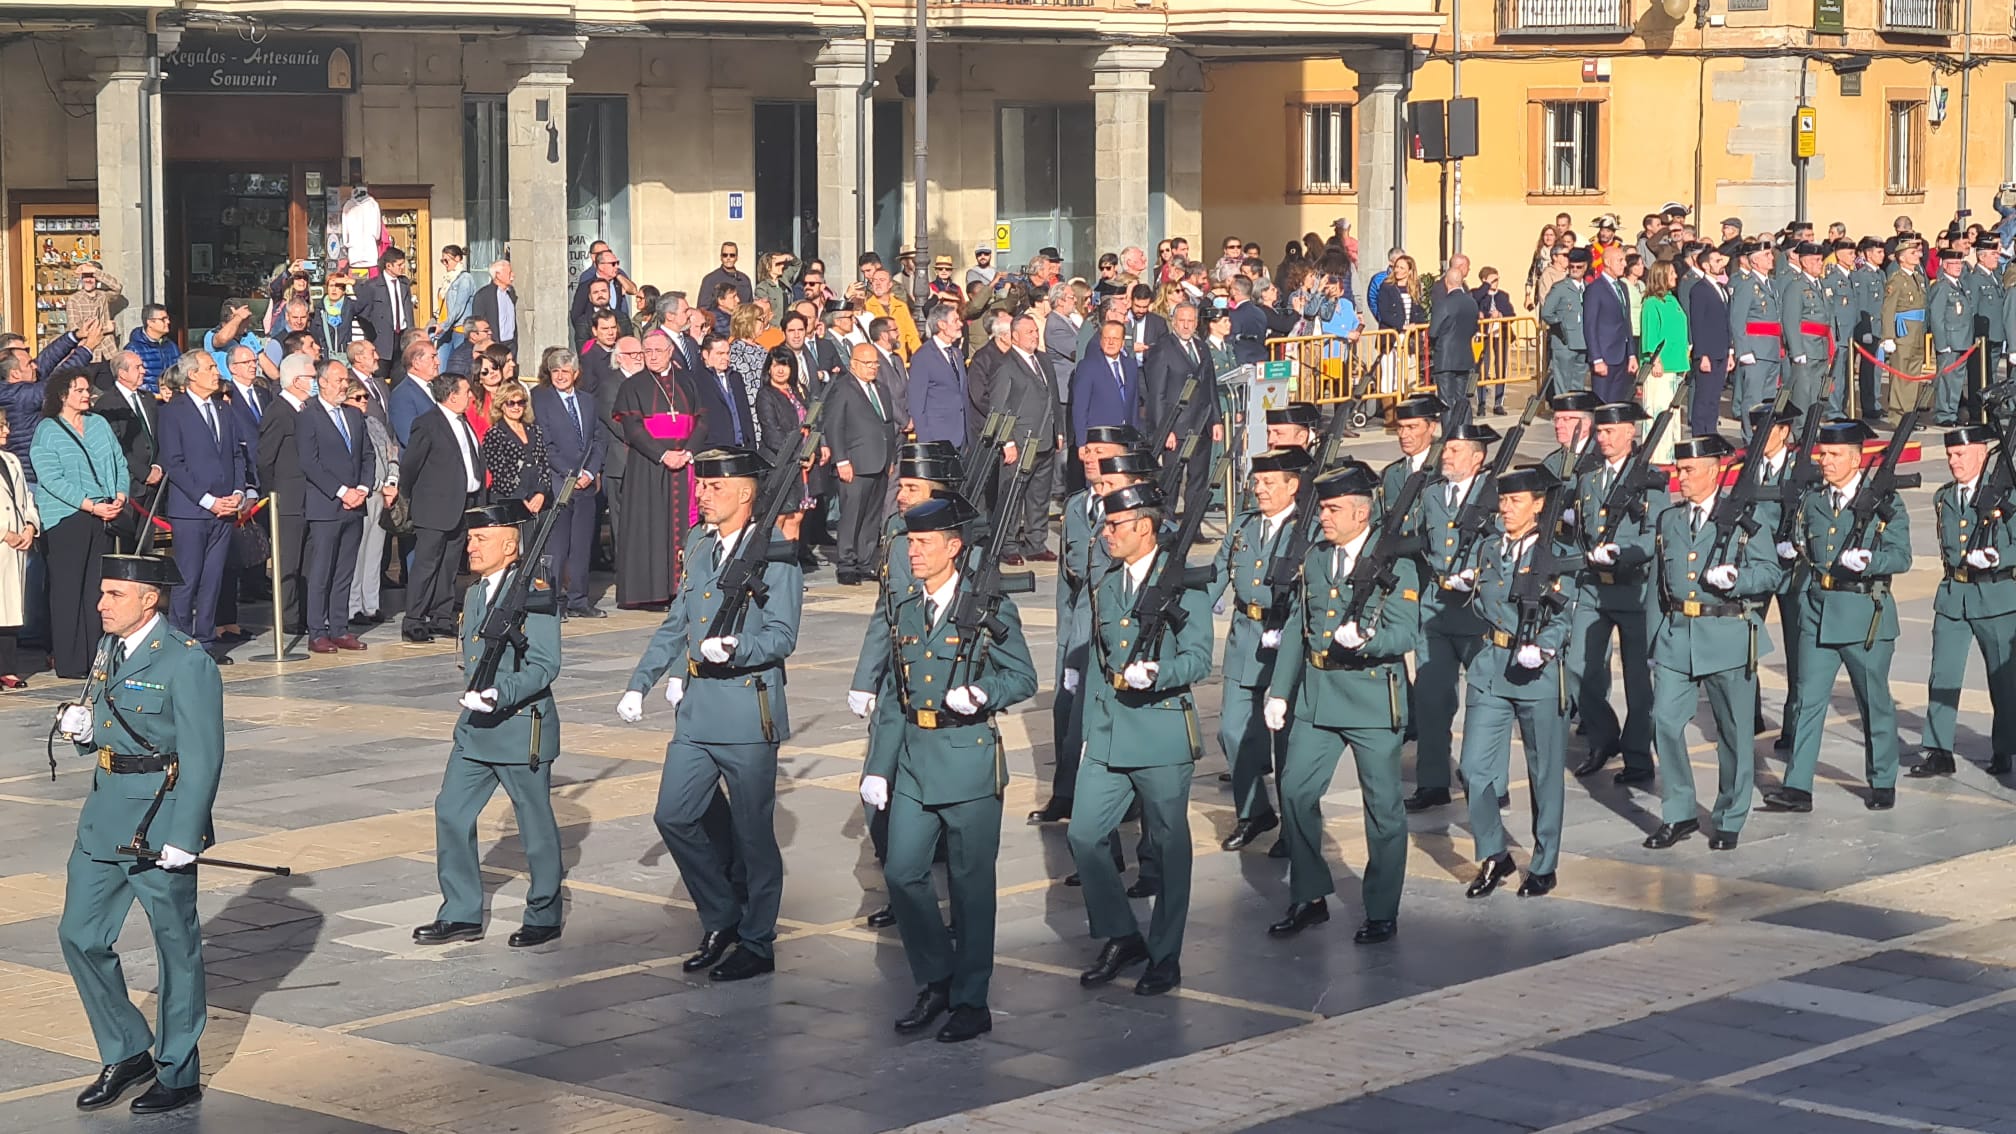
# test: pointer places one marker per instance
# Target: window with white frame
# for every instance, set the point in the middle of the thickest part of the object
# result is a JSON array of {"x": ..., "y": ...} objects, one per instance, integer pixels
[
  {"x": 1326, "y": 148},
  {"x": 1571, "y": 135},
  {"x": 1904, "y": 148}
]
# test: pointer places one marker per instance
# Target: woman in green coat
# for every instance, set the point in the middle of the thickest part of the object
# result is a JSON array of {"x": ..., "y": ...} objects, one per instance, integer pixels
[{"x": 1663, "y": 347}]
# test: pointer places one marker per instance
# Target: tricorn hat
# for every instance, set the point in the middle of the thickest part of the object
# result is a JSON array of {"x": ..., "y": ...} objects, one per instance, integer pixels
[
  {"x": 154, "y": 570},
  {"x": 1706, "y": 445},
  {"x": 1573, "y": 401},
  {"x": 1419, "y": 406},
  {"x": 1844, "y": 431},
  {"x": 503, "y": 514},
  {"x": 1123, "y": 435},
  {"x": 716, "y": 464},
  {"x": 1296, "y": 413},
  {"x": 1527, "y": 478},
  {"x": 1620, "y": 413},
  {"x": 1351, "y": 480},
  {"x": 1283, "y": 461},
  {"x": 1132, "y": 498},
  {"x": 948, "y": 513},
  {"x": 1969, "y": 435},
  {"x": 1133, "y": 462},
  {"x": 938, "y": 470},
  {"x": 1474, "y": 431}
]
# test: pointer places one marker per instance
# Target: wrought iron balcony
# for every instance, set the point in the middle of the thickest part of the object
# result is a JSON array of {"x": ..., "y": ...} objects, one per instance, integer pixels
[
  {"x": 1567, "y": 17},
  {"x": 1920, "y": 17}
]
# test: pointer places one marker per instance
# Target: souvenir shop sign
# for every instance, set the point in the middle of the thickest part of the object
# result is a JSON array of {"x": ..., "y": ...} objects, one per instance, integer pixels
[{"x": 274, "y": 65}]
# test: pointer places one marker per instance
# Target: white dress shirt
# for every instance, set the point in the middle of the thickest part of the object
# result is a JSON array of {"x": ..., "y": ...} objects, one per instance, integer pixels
[{"x": 465, "y": 440}]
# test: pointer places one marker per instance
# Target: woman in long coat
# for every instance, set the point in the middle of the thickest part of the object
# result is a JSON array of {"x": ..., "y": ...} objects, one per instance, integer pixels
[{"x": 19, "y": 524}]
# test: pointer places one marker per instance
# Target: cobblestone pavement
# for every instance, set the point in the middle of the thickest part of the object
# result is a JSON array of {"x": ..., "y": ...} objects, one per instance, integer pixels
[{"x": 1842, "y": 971}]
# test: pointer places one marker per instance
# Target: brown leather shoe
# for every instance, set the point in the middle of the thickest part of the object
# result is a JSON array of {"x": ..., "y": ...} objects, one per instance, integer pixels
[
  {"x": 347, "y": 642},
  {"x": 322, "y": 646}
]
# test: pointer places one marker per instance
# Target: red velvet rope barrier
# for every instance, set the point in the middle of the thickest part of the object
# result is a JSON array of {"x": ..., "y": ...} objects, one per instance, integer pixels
[{"x": 1896, "y": 373}]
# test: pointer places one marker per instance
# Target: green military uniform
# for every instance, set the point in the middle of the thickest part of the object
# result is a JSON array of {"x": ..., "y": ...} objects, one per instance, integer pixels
[
  {"x": 156, "y": 731},
  {"x": 1756, "y": 332},
  {"x": 1991, "y": 321},
  {"x": 1869, "y": 334},
  {"x": 945, "y": 773},
  {"x": 1451, "y": 633},
  {"x": 1901, "y": 321},
  {"x": 1567, "y": 349},
  {"x": 1342, "y": 697},
  {"x": 1972, "y": 604},
  {"x": 1791, "y": 580},
  {"x": 1707, "y": 640},
  {"x": 729, "y": 725},
  {"x": 1836, "y": 611},
  {"x": 1081, "y": 556},
  {"x": 1838, "y": 290},
  {"x": 1139, "y": 744},
  {"x": 514, "y": 745},
  {"x": 1949, "y": 315},
  {"x": 894, "y": 581},
  {"x": 1807, "y": 316},
  {"x": 1242, "y": 566},
  {"x": 1614, "y": 599}
]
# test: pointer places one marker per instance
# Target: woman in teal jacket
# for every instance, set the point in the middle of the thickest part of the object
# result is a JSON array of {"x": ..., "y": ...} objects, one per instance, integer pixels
[{"x": 80, "y": 487}]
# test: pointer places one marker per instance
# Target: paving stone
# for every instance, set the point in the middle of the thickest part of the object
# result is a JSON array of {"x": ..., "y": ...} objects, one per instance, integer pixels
[{"x": 1856, "y": 920}]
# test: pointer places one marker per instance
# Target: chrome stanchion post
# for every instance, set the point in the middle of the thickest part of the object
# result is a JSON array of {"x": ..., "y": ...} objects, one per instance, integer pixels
[{"x": 280, "y": 654}]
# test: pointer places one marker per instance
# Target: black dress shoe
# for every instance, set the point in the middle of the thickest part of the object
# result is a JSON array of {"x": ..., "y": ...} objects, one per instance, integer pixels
[
  {"x": 1057, "y": 810},
  {"x": 1537, "y": 886},
  {"x": 1783, "y": 743},
  {"x": 221, "y": 658},
  {"x": 1279, "y": 849},
  {"x": 1246, "y": 830},
  {"x": 1144, "y": 888},
  {"x": 741, "y": 965},
  {"x": 1787, "y": 799},
  {"x": 1670, "y": 833},
  {"x": 1158, "y": 978},
  {"x": 1935, "y": 763},
  {"x": 1881, "y": 799},
  {"x": 968, "y": 1022},
  {"x": 1425, "y": 798},
  {"x": 1072, "y": 879},
  {"x": 1594, "y": 761},
  {"x": 1721, "y": 840},
  {"x": 1224, "y": 777},
  {"x": 1301, "y": 915},
  {"x": 1492, "y": 871},
  {"x": 527, "y": 936},
  {"x": 713, "y": 946},
  {"x": 1114, "y": 956},
  {"x": 443, "y": 932},
  {"x": 589, "y": 612},
  {"x": 931, "y": 1004},
  {"x": 1504, "y": 801},
  {"x": 1999, "y": 764},
  {"x": 1630, "y": 776},
  {"x": 416, "y": 637},
  {"x": 1373, "y": 932},
  {"x": 882, "y": 918},
  {"x": 162, "y": 1098},
  {"x": 115, "y": 1079},
  {"x": 1757, "y": 725}
]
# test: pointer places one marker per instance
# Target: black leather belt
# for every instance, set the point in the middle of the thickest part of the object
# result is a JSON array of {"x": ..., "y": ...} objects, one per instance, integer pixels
[
  {"x": 695, "y": 668},
  {"x": 1609, "y": 578},
  {"x": 1333, "y": 660},
  {"x": 1829, "y": 582},
  {"x": 940, "y": 718},
  {"x": 122, "y": 765},
  {"x": 1976, "y": 575},
  {"x": 1690, "y": 608}
]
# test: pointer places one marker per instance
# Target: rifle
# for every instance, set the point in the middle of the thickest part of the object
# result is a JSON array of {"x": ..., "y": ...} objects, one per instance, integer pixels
[
  {"x": 504, "y": 623},
  {"x": 1159, "y": 603},
  {"x": 1475, "y": 517},
  {"x": 1734, "y": 511},
  {"x": 1877, "y": 499},
  {"x": 1373, "y": 570},
  {"x": 1638, "y": 476},
  {"x": 1170, "y": 480},
  {"x": 1991, "y": 499},
  {"x": 986, "y": 454},
  {"x": 1801, "y": 474},
  {"x": 1533, "y": 592},
  {"x": 782, "y": 490},
  {"x": 976, "y": 609}
]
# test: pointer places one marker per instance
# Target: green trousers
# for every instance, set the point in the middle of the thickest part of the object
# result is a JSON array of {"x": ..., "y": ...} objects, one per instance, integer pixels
[
  {"x": 1438, "y": 683},
  {"x": 1788, "y": 632},
  {"x": 1996, "y": 638},
  {"x": 1102, "y": 800},
  {"x": 1589, "y": 677},
  {"x": 972, "y": 834},
  {"x": 465, "y": 788},
  {"x": 1732, "y": 700},
  {"x": 1487, "y": 756},
  {"x": 734, "y": 871},
  {"x": 1869, "y": 676},
  {"x": 1313, "y": 752},
  {"x": 96, "y": 897},
  {"x": 1251, "y": 749}
]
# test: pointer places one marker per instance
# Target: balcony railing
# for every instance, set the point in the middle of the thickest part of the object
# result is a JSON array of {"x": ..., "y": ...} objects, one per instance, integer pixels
[
  {"x": 1921, "y": 17},
  {"x": 1568, "y": 17}
]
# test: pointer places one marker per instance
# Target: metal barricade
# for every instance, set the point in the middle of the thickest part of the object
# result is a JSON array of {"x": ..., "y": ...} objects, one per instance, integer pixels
[
  {"x": 1508, "y": 351},
  {"x": 1364, "y": 375}
]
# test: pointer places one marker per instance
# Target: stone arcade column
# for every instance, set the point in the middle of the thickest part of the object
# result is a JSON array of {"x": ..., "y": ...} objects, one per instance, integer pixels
[
  {"x": 536, "y": 113},
  {"x": 1122, "y": 79},
  {"x": 1381, "y": 179},
  {"x": 120, "y": 69},
  {"x": 838, "y": 70}
]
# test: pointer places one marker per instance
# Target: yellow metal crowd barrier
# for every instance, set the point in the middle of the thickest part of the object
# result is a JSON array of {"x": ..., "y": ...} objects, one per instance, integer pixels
[{"x": 1381, "y": 367}]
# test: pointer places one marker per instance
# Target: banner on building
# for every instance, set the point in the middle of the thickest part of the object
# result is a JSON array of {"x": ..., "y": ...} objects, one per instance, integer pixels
[{"x": 273, "y": 65}]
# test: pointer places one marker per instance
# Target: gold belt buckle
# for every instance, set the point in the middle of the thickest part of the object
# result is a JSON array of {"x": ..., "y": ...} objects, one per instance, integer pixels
[
  {"x": 1501, "y": 639},
  {"x": 1961, "y": 575},
  {"x": 1826, "y": 582},
  {"x": 105, "y": 758},
  {"x": 927, "y": 718},
  {"x": 1255, "y": 611},
  {"x": 1607, "y": 578},
  {"x": 692, "y": 668},
  {"x": 1119, "y": 681},
  {"x": 1690, "y": 608}
]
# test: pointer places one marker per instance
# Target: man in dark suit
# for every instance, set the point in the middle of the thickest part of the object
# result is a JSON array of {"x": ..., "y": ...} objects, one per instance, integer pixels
[
  {"x": 1452, "y": 328},
  {"x": 1249, "y": 324},
  {"x": 575, "y": 447},
  {"x": 686, "y": 332},
  {"x": 280, "y": 475},
  {"x": 726, "y": 419},
  {"x": 410, "y": 398},
  {"x": 363, "y": 359},
  {"x": 206, "y": 457},
  {"x": 1024, "y": 386},
  {"x": 894, "y": 373},
  {"x": 338, "y": 465},
  {"x": 860, "y": 431},
  {"x": 384, "y": 304},
  {"x": 982, "y": 368},
  {"x": 497, "y": 303},
  {"x": 1606, "y": 328},
  {"x": 1106, "y": 386},
  {"x": 132, "y": 413},
  {"x": 440, "y": 471},
  {"x": 598, "y": 358},
  {"x": 938, "y": 380},
  {"x": 1144, "y": 327},
  {"x": 1708, "y": 339},
  {"x": 1176, "y": 359},
  {"x": 478, "y": 338}
]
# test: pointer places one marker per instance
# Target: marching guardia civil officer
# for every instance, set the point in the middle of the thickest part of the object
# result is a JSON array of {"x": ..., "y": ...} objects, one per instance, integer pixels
[
  {"x": 1846, "y": 618},
  {"x": 1574, "y": 415},
  {"x": 1416, "y": 420},
  {"x": 935, "y": 763},
  {"x": 1451, "y": 633},
  {"x": 1142, "y": 736},
  {"x": 1976, "y": 601},
  {"x": 152, "y": 718},
  {"x": 507, "y": 735},
  {"x": 1707, "y": 640},
  {"x": 1339, "y": 683},
  {"x": 1293, "y": 426},
  {"x": 1516, "y": 682},
  {"x": 1774, "y": 426},
  {"x": 1613, "y": 592},
  {"x": 731, "y": 717},
  {"x": 1252, "y": 644}
]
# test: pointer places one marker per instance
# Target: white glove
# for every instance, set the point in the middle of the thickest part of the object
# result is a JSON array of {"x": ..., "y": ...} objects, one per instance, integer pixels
[
  {"x": 1351, "y": 636},
  {"x": 1856, "y": 559},
  {"x": 484, "y": 702},
  {"x": 75, "y": 723},
  {"x": 1529, "y": 657},
  {"x": 1987, "y": 559},
  {"x": 1746, "y": 358},
  {"x": 859, "y": 703},
  {"x": 965, "y": 700},
  {"x": 1568, "y": 516},
  {"x": 1800, "y": 359},
  {"x": 1270, "y": 639},
  {"x": 1722, "y": 576},
  {"x": 1603, "y": 554},
  {"x": 1889, "y": 346},
  {"x": 1276, "y": 714},
  {"x": 718, "y": 650},
  {"x": 174, "y": 858},
  {"x": 1140, "y": 675},
  {"x": 875, "y": 792},
  {"x": 1786, "y": 550},
  {"x": 1463, "y": 580},
  {"x": 1071, "y": 681},
  {"x": 630, "y": 707},
  {"x": 675, "y": 691}
]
